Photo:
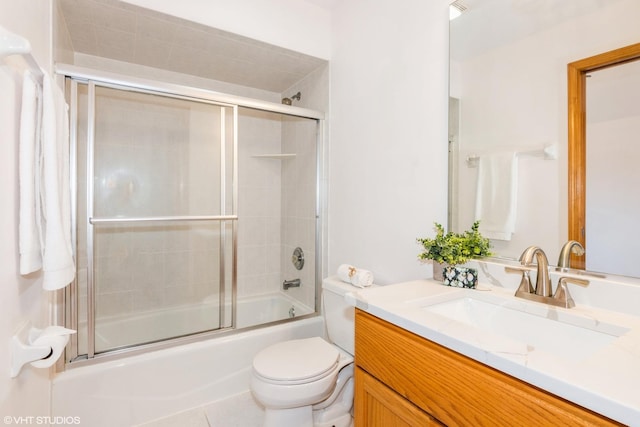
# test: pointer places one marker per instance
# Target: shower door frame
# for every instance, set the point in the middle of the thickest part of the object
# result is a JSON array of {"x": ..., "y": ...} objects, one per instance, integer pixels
[{"x": 69, "y": 315}]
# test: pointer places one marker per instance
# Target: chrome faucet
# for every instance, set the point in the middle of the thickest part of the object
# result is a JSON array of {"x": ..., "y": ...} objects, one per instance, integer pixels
[
  {"x": 295, "y": 283},
  {"x": 542, "y": 290},
  {"x": 572, "y": 246}
]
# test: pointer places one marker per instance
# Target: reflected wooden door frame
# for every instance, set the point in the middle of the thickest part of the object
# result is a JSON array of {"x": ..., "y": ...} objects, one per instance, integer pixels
[{"x": 577, "y": 148}]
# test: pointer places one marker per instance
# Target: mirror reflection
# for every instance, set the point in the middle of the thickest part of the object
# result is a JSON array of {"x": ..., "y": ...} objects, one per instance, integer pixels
[
  {"x": 508, "y": 133},
  {"x": 604, "y": 118}
]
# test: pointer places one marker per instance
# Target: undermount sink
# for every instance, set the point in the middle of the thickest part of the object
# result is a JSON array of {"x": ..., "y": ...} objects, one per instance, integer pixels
[{"x": 564, "y": 335}]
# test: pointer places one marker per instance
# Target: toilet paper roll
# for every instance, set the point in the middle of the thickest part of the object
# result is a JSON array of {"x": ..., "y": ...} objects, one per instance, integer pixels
[{"x": 55, "y": 337}]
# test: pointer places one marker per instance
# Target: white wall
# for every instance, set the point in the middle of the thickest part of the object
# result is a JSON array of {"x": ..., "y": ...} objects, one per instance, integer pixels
[
  {"x": 21, "y": 298},
  {"x": 293, "y": 24},
  {"x": 612, "y": 214},
  {"x": 388, "y": 137}
]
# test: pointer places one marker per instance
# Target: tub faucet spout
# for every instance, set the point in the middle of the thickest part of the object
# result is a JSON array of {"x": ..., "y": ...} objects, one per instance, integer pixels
[{"x": 295, "y": 283}]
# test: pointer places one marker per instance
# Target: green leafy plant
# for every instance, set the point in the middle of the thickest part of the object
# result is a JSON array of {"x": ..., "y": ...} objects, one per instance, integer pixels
[{"x": 455, "y": 248}]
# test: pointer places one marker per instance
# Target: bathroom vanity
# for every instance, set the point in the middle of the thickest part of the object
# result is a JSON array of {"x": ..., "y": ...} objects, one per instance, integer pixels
[
  {"x": 406, "y": 377},
  {"x": 418, "y": 362}
]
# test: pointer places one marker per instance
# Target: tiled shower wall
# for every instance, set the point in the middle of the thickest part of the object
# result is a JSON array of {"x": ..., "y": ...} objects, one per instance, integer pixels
[
  {"x": 299, "y": 136},
  {"x": 259, "y": 222},
  {"x": 277, "y": 199},
  {"x": 299, "y": 204}
]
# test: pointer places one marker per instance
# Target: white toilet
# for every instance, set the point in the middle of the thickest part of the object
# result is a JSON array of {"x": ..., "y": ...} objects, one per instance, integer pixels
[{"x": 309, "y": 382}]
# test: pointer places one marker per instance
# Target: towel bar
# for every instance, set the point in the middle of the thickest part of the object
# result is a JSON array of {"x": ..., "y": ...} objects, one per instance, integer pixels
[
  {"x": 13, "y": 44},
  {"x": 549, "y": 152}
]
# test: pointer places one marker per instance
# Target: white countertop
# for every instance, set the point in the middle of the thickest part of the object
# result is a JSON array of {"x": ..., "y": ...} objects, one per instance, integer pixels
[{"x": 606, "y": 380}]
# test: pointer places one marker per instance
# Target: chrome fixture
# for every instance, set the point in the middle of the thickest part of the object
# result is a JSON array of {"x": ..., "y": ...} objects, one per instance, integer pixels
[
  {"x": 562, "y": 296},
  {"x": 543, "y": 284},
  {"x": 572, "y": 246},
  {"x": 542, "y": 291},
  {"x": 292, "y": 312},
  {"x": 298, "y": 258},
  {"x": 296, "y": 97},
  {"x": 295, "y": 283}
]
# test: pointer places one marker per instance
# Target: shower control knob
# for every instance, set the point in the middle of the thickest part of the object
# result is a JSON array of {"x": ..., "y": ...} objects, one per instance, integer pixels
[{"x": 298, "y": 258}]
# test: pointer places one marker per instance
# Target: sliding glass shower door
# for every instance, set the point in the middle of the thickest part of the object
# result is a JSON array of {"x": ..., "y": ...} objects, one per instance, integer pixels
[{"x": 156, "y": 216}]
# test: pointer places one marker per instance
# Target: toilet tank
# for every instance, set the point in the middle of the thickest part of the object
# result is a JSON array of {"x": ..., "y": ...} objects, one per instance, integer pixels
[{"x": 338, "y": 314}]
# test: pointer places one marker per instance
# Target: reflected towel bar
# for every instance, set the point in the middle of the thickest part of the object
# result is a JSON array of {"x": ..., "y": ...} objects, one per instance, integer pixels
[{"x": 549, "y": 152}]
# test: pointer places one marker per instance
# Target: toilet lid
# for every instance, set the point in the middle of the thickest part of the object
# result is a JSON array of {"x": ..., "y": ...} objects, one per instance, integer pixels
[{"x": 296, "y": 360}]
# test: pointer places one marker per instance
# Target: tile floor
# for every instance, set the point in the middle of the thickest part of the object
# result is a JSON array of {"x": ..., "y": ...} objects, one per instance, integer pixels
[{"x": 237, "y": 411}]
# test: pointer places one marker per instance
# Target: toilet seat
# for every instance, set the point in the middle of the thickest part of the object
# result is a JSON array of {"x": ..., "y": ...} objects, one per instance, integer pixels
[{"x": 296, "y": 361}]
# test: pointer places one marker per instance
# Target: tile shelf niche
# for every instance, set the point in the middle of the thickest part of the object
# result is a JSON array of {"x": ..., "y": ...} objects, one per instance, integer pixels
[{"x": 274, "y": 156}]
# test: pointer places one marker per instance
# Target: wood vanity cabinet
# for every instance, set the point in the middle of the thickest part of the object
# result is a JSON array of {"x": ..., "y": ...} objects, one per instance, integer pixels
[{"x": 402, "y": 379}]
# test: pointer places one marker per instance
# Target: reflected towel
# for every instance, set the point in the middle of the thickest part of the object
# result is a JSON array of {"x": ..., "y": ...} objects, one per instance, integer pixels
[
  {"x": 355, "y": 276},
  {"x": 496, "y": 196},
  {"x": 57, "y": 258},
  {"x": 29, "y": 173}
]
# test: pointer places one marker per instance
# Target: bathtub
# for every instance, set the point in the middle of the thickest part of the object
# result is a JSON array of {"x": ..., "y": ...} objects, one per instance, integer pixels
[
  {"x": 123, "y": 331},
  {"x": 140, "y": 388}
]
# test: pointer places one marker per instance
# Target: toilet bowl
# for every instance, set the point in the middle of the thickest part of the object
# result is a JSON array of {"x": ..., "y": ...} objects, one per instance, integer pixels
[
  {"x": 309, "y": 382},
  {"x": 296, "y": 373}
]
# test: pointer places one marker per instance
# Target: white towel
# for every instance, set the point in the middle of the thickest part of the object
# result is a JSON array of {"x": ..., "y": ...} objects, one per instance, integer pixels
[
  {"x": 355, "y": 276},
  {"x": 57, "y": 258},
  {"x": 29, "y": 173},
  {"x": 496, "y": 196}
]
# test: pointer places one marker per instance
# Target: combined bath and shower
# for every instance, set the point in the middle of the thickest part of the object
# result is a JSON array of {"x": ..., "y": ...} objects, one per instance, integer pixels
[{"x": 287, "y": 101}]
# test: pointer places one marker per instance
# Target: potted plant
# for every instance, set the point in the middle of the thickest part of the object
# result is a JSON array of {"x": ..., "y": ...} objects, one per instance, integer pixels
[{"x": 448, "y": 250}]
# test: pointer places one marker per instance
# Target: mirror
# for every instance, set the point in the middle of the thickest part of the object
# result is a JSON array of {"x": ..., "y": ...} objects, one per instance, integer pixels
[
  {"x": 508, "y": 74},
  {"x": 603, "y": 108}
]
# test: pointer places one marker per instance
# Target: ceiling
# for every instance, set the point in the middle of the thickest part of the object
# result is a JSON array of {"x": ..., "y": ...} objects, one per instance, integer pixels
[
  {"x": 124, "y": 32},
  {"x": 487, "y": 24}
]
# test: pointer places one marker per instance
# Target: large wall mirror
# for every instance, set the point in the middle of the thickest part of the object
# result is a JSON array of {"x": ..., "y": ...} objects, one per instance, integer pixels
[{"x": 509, "y": 90}]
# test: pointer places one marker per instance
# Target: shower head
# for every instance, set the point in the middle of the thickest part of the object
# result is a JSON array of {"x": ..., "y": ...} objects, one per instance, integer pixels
[{"x": 287, "y": 101}]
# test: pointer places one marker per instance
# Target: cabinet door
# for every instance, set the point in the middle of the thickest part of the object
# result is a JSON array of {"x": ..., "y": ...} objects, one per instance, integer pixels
[{"x": 376, "y": 405}]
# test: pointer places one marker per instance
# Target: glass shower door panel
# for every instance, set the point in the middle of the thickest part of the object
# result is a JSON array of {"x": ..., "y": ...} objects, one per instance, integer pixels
[
  {"x": 156, "y": 158},
  {"x": 155, "y": 282},
  {"x": 299, "y": 205}
]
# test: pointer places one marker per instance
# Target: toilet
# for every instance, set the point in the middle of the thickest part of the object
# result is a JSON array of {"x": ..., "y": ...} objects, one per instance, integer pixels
[{"x": 309, "y": 382}]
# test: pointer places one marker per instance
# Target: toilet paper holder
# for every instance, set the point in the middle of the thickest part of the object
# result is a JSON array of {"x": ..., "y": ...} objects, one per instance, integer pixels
[{"x": 44, "y": 347}]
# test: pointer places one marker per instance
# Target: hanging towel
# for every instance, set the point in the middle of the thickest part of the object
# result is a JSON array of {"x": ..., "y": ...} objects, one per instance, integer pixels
[
  {"x": 356, "y": 276},
  {"x": 496, "y": 196},
  {"x": 57, "y": 258},
  {"x": 29, "y": 176}
]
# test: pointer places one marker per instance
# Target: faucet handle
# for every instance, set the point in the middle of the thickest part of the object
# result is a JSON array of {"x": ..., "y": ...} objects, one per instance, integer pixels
[
  {"x": 517, "y": 269},
  {"x": 562, "y": 295},
  {"x": 525, "y": 283}
]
